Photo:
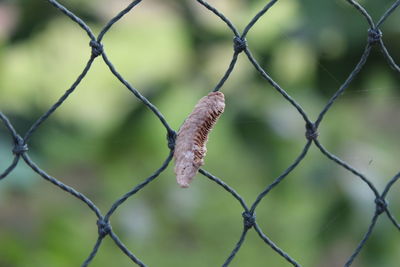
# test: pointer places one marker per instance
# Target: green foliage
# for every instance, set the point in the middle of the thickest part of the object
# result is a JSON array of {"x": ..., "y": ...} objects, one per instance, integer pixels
[{"x": 103, "y": 141}]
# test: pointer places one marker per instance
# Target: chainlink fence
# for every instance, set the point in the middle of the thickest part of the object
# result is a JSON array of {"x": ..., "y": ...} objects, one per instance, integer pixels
[{"x": 374, "y": 39}]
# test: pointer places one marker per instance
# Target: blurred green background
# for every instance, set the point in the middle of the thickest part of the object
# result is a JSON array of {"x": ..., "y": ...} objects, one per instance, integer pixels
[{"x": 103, "y": 141}]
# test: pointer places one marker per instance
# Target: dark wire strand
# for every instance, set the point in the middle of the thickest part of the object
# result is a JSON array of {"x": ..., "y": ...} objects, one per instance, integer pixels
[
  {"x": 275, "y": 247},
  {"x": 60, "y": 101},
  {"x": 117, "y": 18},
  {"x": 388, "y": 13},
  {"x": 240, "y": 45}
]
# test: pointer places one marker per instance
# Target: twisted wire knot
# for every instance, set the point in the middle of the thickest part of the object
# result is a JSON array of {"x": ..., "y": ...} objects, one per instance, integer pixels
[
  {"x": 20, "y": 146},
  {"x": 311, "y": 131},
  {"x": 97, "y": 48},
  {"x": 239, "y": 44},
  {"x": 171, "y": 137},
  {"x": 104, "y": 227},
  {"x": 249, "y": 219},
  {"x": 381, "y": 205},
  {"x": 374, "y": 36}
]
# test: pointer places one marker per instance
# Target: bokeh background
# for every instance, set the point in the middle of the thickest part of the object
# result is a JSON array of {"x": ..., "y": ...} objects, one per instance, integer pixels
[{"x": 103, "y": 141}]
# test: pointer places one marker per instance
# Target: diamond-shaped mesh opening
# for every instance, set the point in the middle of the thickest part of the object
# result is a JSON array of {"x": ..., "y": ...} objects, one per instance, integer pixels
[{"x": 375, "y": 38}]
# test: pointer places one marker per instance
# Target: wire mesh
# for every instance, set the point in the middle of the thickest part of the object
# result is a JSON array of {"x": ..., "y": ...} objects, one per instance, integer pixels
[{"x": 374, "y": 39}]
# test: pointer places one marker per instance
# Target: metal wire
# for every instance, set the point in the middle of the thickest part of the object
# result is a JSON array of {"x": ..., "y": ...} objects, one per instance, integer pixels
[{"x": 374, "y": 38}]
